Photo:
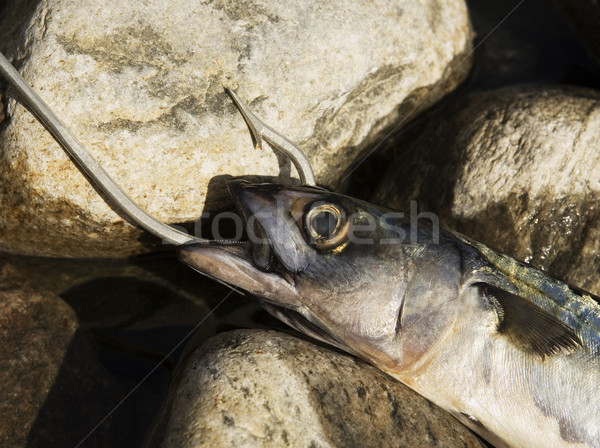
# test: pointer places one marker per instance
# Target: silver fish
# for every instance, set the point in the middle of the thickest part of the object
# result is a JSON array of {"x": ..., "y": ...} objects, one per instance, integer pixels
[{"x": 509, "y": 351}]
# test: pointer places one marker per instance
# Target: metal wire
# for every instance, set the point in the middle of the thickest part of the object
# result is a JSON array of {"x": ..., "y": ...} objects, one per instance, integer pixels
[{"x": 260, "y": 130}]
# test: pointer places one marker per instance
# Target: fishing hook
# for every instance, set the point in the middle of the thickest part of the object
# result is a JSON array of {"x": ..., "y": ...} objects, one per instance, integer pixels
[
  {"x": 86, "y": 162},
  {"x": 260, "y": 131}
]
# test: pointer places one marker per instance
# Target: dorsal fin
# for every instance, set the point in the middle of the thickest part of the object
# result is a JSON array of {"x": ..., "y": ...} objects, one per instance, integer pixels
[{"x": 529, "y": 326}]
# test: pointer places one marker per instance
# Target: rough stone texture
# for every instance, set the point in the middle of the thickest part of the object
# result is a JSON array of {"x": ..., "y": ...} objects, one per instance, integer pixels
[
  {"x": 141, "y": 85},
  {"x": 252, "y": 388},
  {"x": 585, "y": 16},
  {"x": 517, "y": 169},
  {"x": 53, "y": 390}
]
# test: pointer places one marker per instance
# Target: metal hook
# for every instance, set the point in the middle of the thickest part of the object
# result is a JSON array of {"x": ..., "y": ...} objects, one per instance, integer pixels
[
  {"x": 86, "y": 162},
  {"x": 260, "y": 130}
]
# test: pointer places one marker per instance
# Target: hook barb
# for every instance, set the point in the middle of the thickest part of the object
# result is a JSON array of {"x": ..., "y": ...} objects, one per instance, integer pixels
[{"x": 261, "y": 131}]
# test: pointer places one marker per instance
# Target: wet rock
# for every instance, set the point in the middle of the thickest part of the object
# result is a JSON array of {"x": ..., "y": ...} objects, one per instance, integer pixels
[
  {"x": 585, "y": 16},
  {"x": 53, "y": 390},
  {"x": 258, "y": 388},
  {"x": 141, "y": 85},
  {"x": 517, "y": 169}
]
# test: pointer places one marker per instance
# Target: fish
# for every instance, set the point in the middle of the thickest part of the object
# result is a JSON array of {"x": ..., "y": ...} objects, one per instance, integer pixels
[{"x": 509, "y": 351}]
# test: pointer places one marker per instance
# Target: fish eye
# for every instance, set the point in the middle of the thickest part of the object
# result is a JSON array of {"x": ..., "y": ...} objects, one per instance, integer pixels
[{"x": 323, "y": 223}]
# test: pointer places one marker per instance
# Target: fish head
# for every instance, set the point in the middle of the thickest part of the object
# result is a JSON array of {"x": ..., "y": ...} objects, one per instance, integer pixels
[{"x": 338, "y": 269}]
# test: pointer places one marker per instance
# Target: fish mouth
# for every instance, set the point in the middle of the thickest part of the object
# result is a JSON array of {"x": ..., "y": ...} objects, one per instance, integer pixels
[
  {"x": 263, "y": 264},
  {"x": 231, "y": 263},
  {"x": 260, "y": 249}
]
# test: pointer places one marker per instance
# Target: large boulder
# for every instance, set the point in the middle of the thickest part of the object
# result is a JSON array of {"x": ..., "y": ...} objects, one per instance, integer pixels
[
  {"x": 141, "y": 84},
  {"x": 517, "y": 169},
  {"x": 252, "y": 388}
]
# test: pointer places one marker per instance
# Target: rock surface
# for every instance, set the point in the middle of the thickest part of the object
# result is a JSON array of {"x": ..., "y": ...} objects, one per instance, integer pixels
[
  {"x": 266, "y": 389},
  {"x": 517, "y": 169},
  {"x": 141, "y": 85},
  {"x": 53, "y": 390}
]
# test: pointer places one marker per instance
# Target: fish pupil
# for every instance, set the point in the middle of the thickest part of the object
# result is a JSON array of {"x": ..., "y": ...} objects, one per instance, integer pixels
[{"x": 324, "y": 224}]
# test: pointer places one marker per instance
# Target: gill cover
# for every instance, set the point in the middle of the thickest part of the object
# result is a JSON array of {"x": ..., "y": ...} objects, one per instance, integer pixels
[{"x": 349, "y": 268}]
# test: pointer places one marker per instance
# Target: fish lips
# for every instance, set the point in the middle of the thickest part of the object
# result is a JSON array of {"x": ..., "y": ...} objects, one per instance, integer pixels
[
  {"x": 232, "y": 264},
  {"x": 264, "y": 265}
]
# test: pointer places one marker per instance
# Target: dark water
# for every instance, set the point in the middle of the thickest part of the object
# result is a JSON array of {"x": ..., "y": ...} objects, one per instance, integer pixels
[{"x": 138, "y": 312}]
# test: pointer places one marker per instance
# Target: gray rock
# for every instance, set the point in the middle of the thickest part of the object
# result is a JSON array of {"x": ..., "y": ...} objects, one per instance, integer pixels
[
  {"x": 517, "y": 169},
  {"x": 267, "y": 389},
  {"x": 585, "y": 16},
  {"x": 53, "y": 389},
  {"x": 140, "y": 83}
]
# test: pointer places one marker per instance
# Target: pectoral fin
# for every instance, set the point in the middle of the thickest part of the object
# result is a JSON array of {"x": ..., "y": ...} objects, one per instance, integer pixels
[{"x": 529, "y": 326}]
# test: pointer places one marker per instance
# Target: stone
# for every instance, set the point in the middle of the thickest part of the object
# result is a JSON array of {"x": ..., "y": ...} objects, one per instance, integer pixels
[
  {"x": 53, "y": 389},
  {"x": 252, "y": 388},
  {"x": 517, "y": 169},
  {"x": 142, "y": 294},
  {"x": 585, "y": 16},
  {"x": 141, "y": 85}
]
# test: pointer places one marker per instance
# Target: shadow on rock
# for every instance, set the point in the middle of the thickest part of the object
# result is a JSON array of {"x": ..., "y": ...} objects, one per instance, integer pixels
[{"x": 77, "y": 409}]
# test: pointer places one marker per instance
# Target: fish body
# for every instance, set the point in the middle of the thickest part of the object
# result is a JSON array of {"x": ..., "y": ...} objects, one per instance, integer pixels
[{"x": 508, "y": 350}]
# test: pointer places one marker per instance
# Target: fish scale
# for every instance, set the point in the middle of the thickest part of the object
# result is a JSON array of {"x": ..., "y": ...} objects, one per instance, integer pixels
[
  {"x": 509, "y": 351},
  {"x": 579, "y": 311}
]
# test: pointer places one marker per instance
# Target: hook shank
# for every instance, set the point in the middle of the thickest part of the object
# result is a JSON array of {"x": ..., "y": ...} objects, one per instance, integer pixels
[{"x": 86, "y": 162}]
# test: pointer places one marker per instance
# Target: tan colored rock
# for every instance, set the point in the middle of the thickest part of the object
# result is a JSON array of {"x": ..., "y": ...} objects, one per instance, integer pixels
[
  {"x": 251, "y": 388},
  {"x": 517, "y": 169},
  {"x": 141, "y": 84},
  {"x": 53, "y": 389}
]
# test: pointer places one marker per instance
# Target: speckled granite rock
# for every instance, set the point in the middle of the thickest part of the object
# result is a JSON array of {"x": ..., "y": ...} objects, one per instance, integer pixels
[
  {"x": 585, "y": 16},
  {"x": 250, "y": 388},
  {"x": 517, "y": 169},
  {"x": 53, "y": 390},
  {"x": 141, "y": 85}
]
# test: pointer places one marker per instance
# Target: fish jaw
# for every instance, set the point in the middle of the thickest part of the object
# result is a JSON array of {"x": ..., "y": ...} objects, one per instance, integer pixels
[
  {"x": 266, "y": 264},
  {"x": 342, "y": 291},
  {"x": 232, "y": 264}
]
